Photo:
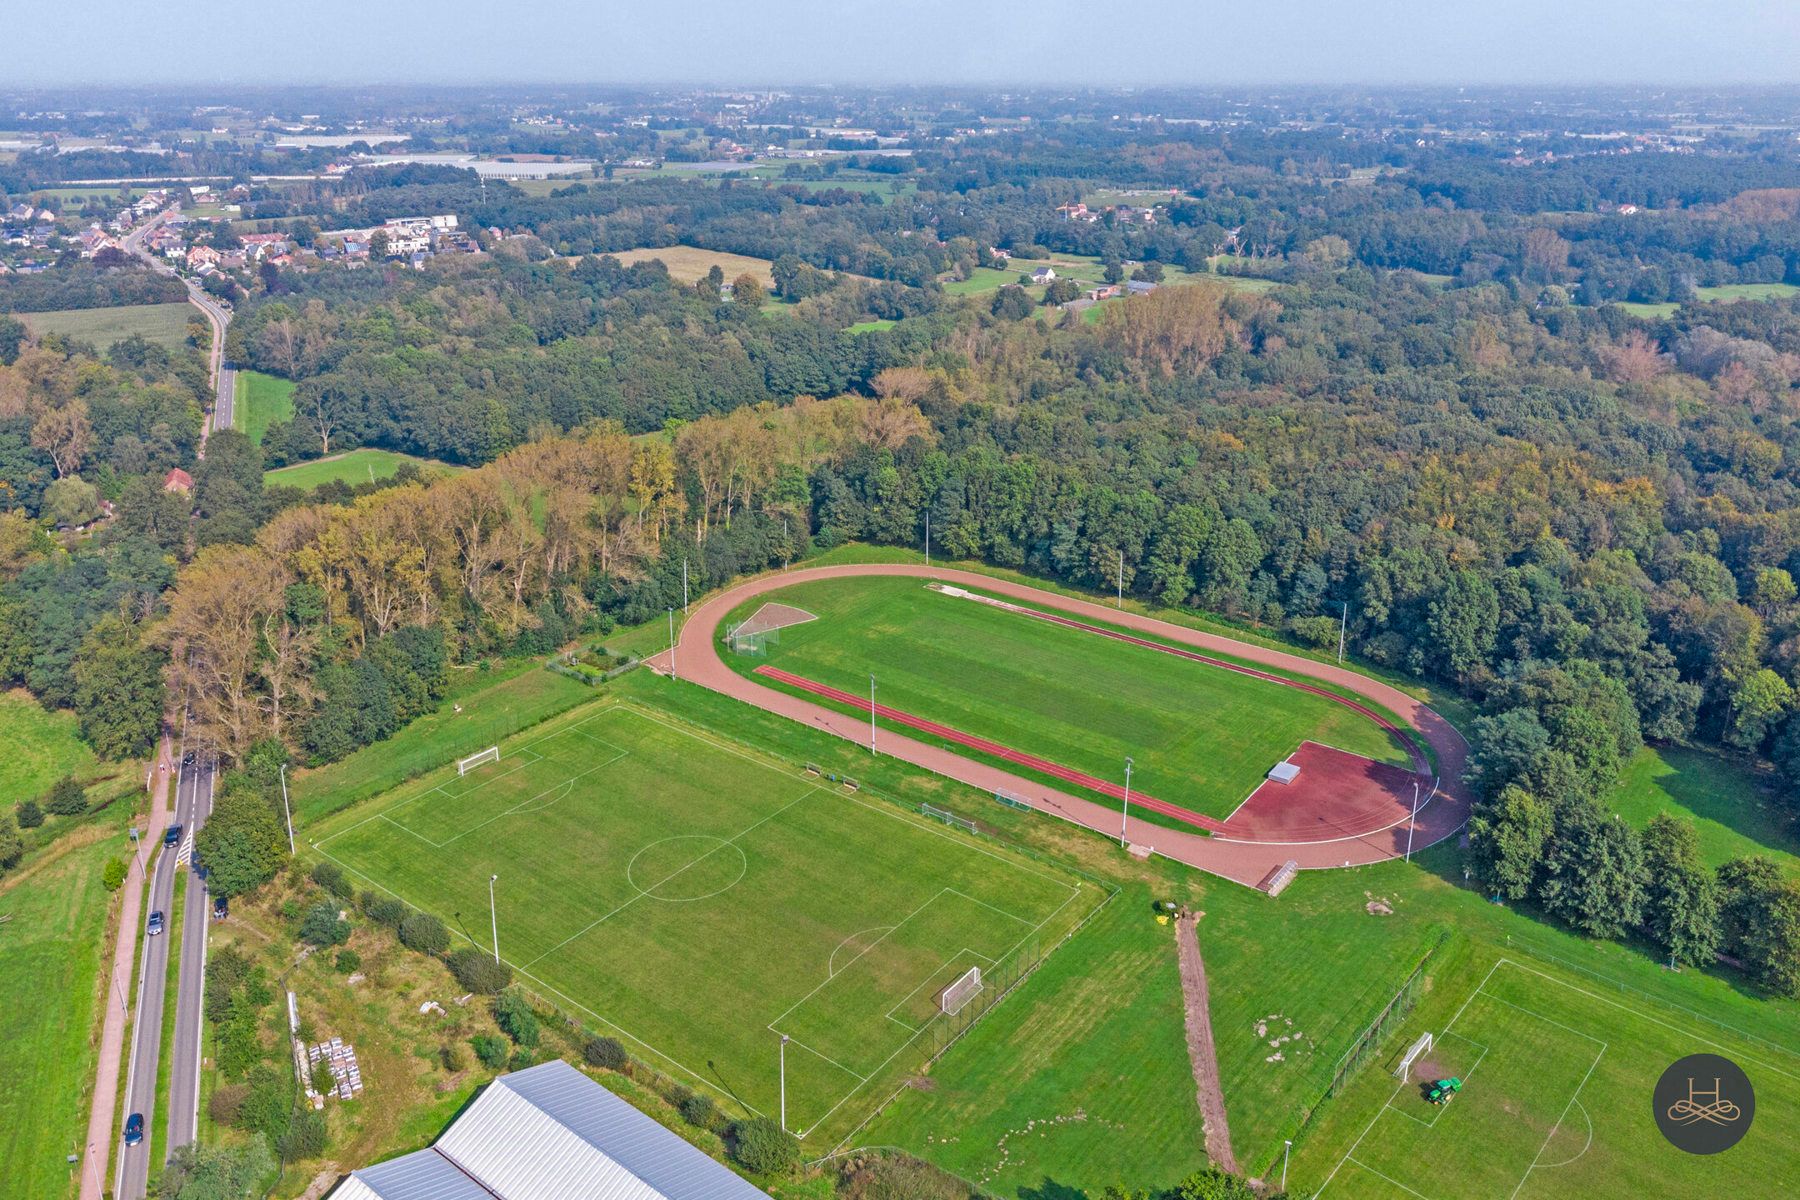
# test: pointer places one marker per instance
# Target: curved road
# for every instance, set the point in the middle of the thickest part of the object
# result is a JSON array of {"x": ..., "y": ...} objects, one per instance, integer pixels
[{"x": 697, "y": 660}]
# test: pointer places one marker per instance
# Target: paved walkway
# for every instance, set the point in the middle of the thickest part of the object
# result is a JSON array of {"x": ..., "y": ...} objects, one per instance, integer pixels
[
  {"x": 697, "y": 660},
  {"x": 103, "y": 1116}
]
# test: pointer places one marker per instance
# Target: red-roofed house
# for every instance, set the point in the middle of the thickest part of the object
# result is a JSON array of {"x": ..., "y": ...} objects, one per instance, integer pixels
[{"x": 178, "y": 480}]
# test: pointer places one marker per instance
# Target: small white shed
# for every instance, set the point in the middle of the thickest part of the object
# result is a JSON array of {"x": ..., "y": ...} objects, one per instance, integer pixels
[{"x": 1284, "y": 772}]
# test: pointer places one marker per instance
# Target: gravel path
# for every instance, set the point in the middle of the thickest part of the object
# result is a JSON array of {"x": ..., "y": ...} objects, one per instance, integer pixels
[
  {"x": 697, "y": 660},
  {"x": 1201, "y": 1051}
]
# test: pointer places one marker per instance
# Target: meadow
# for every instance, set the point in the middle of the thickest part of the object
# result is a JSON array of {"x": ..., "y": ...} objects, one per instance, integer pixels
[
  {"x": 1736, "y": 809},
  {"x": 1201, "y": 737},
  {"x": 165, "y": 324},
  {"x": 51, "y": 951},
  {"x": 364, "y": 465},
  {"x": 43, "y": 746},
  {"x": 689, "y": 264},
  {"x": 700, "y": 902},
  {"x": 261, "y": 401}
]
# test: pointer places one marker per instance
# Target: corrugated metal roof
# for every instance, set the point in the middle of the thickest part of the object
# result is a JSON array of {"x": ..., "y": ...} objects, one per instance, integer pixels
[{"x": 551, "y": 1133}]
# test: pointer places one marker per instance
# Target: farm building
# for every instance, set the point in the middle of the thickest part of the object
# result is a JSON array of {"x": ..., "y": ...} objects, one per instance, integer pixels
[{"x": 550, "y": 1133}]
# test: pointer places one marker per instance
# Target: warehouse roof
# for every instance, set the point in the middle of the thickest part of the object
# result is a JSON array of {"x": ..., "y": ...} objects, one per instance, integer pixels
[{"x": 550, "y": 1133}]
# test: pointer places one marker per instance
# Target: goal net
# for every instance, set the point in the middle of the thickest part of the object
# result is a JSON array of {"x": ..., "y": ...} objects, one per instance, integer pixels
[
  {"x": 948, "y": 818},
  {"x": 959, "y": 993},
  {"x": 465, "y": 765},
  {"x": 1422, "y": 1046}
]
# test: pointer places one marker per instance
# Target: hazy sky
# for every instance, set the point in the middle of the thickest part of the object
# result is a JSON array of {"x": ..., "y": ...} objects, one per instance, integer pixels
[{"x": 1103, "y": 42}]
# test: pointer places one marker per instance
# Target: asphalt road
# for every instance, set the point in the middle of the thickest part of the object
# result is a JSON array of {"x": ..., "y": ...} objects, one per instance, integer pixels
[
  {"x": 184, "y": 1075},
  {"x": 193, "y": 797}
]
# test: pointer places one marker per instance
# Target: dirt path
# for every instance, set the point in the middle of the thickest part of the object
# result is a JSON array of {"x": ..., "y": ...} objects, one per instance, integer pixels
[
  {"x": 103, "y": 1115},
  {"x": 697, "y": 660},
  {"x": 1201, "y": 1051}
]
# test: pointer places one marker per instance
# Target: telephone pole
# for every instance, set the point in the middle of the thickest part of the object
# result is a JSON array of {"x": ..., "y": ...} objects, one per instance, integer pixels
[{"x": 1343, "y": 624}]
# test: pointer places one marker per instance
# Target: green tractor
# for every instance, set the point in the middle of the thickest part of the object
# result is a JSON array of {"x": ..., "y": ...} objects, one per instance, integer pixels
[{"x": 1441, "y": 1091}]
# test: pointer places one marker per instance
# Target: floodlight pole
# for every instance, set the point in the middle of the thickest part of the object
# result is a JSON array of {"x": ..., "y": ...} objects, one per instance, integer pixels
[
  {"x": 784, "y": 1042},
  {"x": 1415, "y": 820},
  {"x": 1125, "y": 812},
  {"x": 872, "y": 749},
  {"x": 1121, "y": 600},
  {"x": 494, "y": 916},
  {"x": 673, "y": 673},
  {"x": 286, "y": 811},
  {"x": 684, "y": 586},
  {"x": 1343, "y": 625},
  {"x": 928, "y": 537},
  {"x": 1286, "y": 1146}
]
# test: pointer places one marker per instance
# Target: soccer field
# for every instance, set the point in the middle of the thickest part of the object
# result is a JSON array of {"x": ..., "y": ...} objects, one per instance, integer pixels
[
  {"x": 1556, "y": 1101},
  {"x": 700, "y": 902},
  {"x": 1200, "y": 736}
]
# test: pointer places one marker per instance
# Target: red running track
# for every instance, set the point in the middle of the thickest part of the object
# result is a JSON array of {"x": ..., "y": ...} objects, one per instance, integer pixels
[
  {"x": 1007, "y": 753},
  {"x": 697, "y": 659}
]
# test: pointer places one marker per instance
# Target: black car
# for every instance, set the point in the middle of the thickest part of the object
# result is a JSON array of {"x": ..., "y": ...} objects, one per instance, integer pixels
[
  {"x": 156, "y": 923},
  {"x": 221, "y": 907},
  {"x": 134, "y": 1129},
  {"x": 172, "y": 835}
]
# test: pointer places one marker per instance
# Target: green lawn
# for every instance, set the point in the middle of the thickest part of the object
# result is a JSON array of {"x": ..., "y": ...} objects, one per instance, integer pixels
[
  {"x": 50, "y": 961},
  {"x": 261, "y": 401},
  {"x": 43, "y": 746},
  {"x": 869, "y": 326},
  {"x": 162, "y": 323},
  {"x": 1734, "y": 807},
  {"x": 356, "y": 466},
  {"x": 1201, "y": 737},
  {"x": 1748, "y": 291},
  {"x": 483, "y": 708},
  {"x": 701, "y": 902}
]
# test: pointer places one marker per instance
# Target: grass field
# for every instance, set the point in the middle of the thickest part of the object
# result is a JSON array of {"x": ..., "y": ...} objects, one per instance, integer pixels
[
  {"x": 50, "y": 960},
  {"x": 355, "y": 466},
  {"x": 1735, "y": 808},
  {"x": 481, "y": 709},
  {"x": 1556, "y": 1082},
  {"x": 701, "y": 901},
  {"x": 690, "y": 264},
  {"x": 1201, "y": 737},
  {"x": 261, "y": 401},
  {"x": 162, "y": 323},
  {"x": 43, "y": 746}
]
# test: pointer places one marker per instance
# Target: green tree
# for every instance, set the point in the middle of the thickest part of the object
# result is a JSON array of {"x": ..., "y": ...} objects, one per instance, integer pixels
[
  {"x": 1213, "y": 1182},
  {"x": 321, "y": 925},
  {"x": 112, "y": 876},
  {"x": 512, "y": 1012},
  {"x": 1464, "y": 622},
  {"x": 1594, "y": 877},
  {"x": 12, "y": 843},
  {"x": 476, "y": 970},
  {"x": 242, "y": 842},
  {"x": 1012, "y": 303},
  {"x": 1758, "y": 702},
  {"x": 196, "y": 1172},
  {"x": 66, "y": 797},
  {"x": 424, "y": 933},
  {"x": 118, "y": 689},
  {"x": 1681, "y": 912},
  {"x": 71, "y": 501},
  {"x": 1507, "y": 836},
  {"x": 30, "y": 814},
  {"x": 604, "y": 1052},
  {"x": 747, "y": 290},
  {"x": 490, "y": 1050},
  {"x": 764, "y": 1147}
]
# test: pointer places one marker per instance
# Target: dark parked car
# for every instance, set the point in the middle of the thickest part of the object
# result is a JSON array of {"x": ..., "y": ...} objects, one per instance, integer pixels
[
  {"x": 156, "y": 923},
  {"x": 172, "y": 835},
  {"x": 221, "y": 907},
  {"x": 134, "y": 1129}
]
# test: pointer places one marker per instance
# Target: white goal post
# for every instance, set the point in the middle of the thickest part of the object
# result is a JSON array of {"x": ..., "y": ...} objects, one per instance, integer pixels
[
  {"x": 959, "y": 993},
  {"x": 465, "y": 765},
  {"x": 1423, "y": 1045}
]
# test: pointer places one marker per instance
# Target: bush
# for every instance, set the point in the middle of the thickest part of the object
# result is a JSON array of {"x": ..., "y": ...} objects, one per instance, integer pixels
[
  {"x": 902, "y": 1177},
  {"x": 228, "y": 1102},
  {"x": 321, "y": 926},
  {"x": 66, "y": 798},
  {"x": 492, "y": 1051},
  {"x": 321, "y": 1079},
  {"x": 764, "y": 1147},
  {"x": 30, "y": 815},
  {"x": 331, "y": 877},
  {"x": 512, "y": 1012},
  {"x": 455, "y": 1057},
  {"x": 424, "y": 933},
  {"x": 305, "y": 1137},
  {"x": 385, "y": 910},
  {"x": 521, "y": 1058},
  {"x": 348, "y": 961},
  {"x": 698, "y": 1110},
  {"x": 112, "y": 876},
  {"x": 476, "y": 970},
  {"x": 604, "y": 1052}
]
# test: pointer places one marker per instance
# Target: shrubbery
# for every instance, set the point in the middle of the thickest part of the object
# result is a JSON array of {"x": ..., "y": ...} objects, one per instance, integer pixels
[
  {"x": 66, "y": 798},
  {"x": 512, "y": 1012},
  {"x": 763, "y": 1146},
  {"x": 604, "y": 1052},
  {"x": 331, "y": 877},
  {"x": 321, "y": 926},
  {"x": 424, "y": 933},
  {"x": 492, "y": 1051},
  {"x": 476, "y": 970},
  {"x": 30, "y": 815}
]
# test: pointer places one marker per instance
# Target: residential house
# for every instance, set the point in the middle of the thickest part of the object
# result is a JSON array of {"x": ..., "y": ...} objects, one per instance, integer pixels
[
  {"x": 1043, "y": 275},
  {"x": 201, "y": 256},
  {"x": 178, "y": 480}
]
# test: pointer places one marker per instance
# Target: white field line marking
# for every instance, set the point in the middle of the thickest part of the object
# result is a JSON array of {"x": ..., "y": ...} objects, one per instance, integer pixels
[
  {"x": 827, "y": 1058},
  {"x": 831, "y": 963},
  {"x": 1361, "y": 1165},
  {"x": 963, "y": 952},
  {"x": 1559, "y": 1120},
  {"x": 1530, "y": 970},
  {"x": 1444, "y": 1107},
  {"x": 1546, "y": 1020},
  {"x": 1586, "y": 1116},
  {"x": 930, "y": 900},
  {"x": 642, "y": 892},
  {"x": 1373, "y": 1121}
]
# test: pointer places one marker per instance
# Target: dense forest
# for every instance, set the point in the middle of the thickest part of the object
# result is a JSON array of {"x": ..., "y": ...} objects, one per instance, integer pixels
[{"x": 1427, "y": 420}]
